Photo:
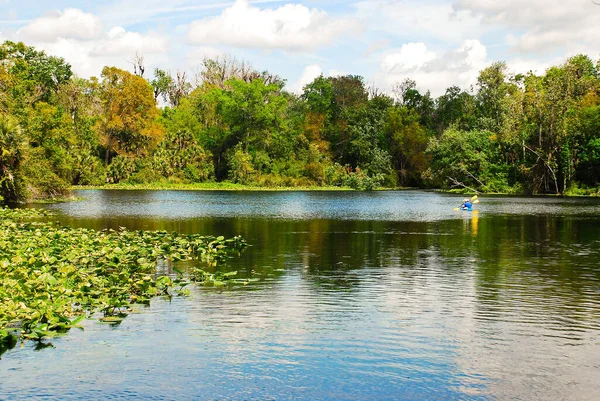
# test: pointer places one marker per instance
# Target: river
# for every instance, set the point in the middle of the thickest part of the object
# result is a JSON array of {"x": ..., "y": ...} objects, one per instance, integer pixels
[{"x": 355, "y": 296}]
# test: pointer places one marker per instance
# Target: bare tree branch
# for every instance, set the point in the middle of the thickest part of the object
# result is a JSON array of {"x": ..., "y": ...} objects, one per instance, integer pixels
[
  {"x": 475, "y": 178},
  {"x": 547, "y": 165},
  {"x": 138, "y": 64},
  {"x": 456, "y": 183},
  {"x": 220, "y": 69}
]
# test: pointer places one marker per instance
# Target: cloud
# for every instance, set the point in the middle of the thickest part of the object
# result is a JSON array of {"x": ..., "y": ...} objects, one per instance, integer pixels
[
  {"x": 70, "y": 23},
  {"x": 336, "y": 73},
  {"x": 541, "y": 26},
  {"x": 118, "y": 41},
  {"x": 309, "y": 74},
  {"x": 290, "y": 27},
  {"x": 432, "y": 71},
  {"x": 198, "y": 54},
  {"x": 410, "y": 57},
  {"x": 80, "y": 38},
  {"x": 414, "y": 20}
]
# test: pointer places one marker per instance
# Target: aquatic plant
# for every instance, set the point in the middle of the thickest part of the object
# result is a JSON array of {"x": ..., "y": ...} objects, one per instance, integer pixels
[{"x": 51, "y": 277}]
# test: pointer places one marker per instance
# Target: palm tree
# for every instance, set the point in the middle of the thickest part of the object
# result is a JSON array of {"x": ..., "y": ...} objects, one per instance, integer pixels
[{"x": 12, "y": 150}]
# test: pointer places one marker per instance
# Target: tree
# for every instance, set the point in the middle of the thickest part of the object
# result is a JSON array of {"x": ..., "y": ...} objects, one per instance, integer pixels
[
  {"x": 139, "y": 64},
  {"x": 467, "y": 159},
  {"x": 551, "y": 112},
  {"x": 407, "y": 141},
  {"x": 35, "y": 75},
  {"x": 401, "y": 90},
  {"x": 12, "y": 152},
  {"x": 318, "y": 97},
  {"x": 455, "y": 107},
  {"x": 253, "y": 111},
  {"x": 161, "y": 83},
  {"x": 217, "y": 71},
  {"x": 172, "y": 90},
  {"x": 128, "y": 122},
  {"x": 349, "y": 97},
  {"x": 493, "y": 88}
]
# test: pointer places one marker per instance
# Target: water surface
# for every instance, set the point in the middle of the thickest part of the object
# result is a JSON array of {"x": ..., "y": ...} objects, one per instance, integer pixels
[{"x": 366, "y": 296}]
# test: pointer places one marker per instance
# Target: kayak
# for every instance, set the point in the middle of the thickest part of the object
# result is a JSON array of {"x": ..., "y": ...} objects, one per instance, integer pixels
[{"x": 466, "y": 209}]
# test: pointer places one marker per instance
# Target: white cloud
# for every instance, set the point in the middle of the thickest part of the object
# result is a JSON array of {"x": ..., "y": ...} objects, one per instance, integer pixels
[
  {"x": 336, "y": 73},
  {"x": 198, "y": 54},
  {"x": 81, "y": 40},
  {"x": 411, "y": 56},
  {"x": 420, "y": 20},
  {"x": 309, "y": 74},
  {"x": 431, "y": 71},
  {"x": 524, "y": 65},
  {"x": 118, "y": 41},
  {"x": 290, "y": 27},
  {"x": 70, "y": 23},
  {"x": 542, "y": 25}
]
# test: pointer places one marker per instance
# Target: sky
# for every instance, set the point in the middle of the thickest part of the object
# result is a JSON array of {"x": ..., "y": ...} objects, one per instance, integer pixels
[{"x": 437, "y": 43}]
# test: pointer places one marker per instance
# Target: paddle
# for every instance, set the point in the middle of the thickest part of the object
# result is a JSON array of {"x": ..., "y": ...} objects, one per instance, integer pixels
[{"x": 474, "y": 201}]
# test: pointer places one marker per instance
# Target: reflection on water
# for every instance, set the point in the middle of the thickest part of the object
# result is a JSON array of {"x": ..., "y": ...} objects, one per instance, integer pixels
[{"x": 360, "y": 296}]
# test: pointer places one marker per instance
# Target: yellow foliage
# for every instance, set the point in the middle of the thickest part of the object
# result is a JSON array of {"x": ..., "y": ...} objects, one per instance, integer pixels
[
  {"x": 590, "y": 99},
  {"x": 129, "y": 124}
]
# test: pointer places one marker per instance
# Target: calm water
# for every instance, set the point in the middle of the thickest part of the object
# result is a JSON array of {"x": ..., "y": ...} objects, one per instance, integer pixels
[{"x": 361, "y": 296}]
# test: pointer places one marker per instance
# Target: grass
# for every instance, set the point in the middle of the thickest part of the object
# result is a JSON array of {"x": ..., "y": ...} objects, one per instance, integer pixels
[{"x": 209, "y": 186}]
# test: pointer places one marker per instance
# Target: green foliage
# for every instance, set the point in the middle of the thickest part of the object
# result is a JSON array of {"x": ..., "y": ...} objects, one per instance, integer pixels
[
  {"x": 37, "y": 76},
  {"x": 41, "y": 181},
  {"x": 144, "y": 172},
  {"x": 179, "y": 153},
  {"x": 345, "y": 176},
  {"x": 52, "y": 277},
  {"x": 12, "y": 152},
  {"x": 532, "y": 133},
  {"x": 240, "y": 166},
  {"x": 319, "y": 96},
  {"x": 407, "y": 140},
  {"x": 121, "y": 168},
  {"x": 468, "y": 159},
  {"x": 89, "y": 170}
]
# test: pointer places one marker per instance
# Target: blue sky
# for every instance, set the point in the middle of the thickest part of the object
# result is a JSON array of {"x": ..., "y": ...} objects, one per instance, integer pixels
[{"x": 437, "y": 43}]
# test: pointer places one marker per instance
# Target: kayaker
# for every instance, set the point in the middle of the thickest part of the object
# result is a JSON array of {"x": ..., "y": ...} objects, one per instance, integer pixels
[{"x": 467, "y": 205}]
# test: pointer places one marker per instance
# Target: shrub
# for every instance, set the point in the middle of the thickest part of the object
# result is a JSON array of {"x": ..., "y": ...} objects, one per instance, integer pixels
[
  {"x": 90, "y": 171},
  {"x": 41, "y": 181},
  {"x": 120, "y": 169},
  {"x": 315, "y": 172},
  {"x": 240, "y": 166}
]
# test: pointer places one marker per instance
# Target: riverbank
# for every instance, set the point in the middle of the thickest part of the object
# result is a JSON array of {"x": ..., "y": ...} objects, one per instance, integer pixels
[
  {"x": 589, "y": 192},
  {"x": 229, "y": 186},
  {"x": 208, "y": 186}
]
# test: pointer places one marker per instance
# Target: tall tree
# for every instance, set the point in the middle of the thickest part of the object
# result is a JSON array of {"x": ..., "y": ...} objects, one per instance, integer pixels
[
  {"x": 128, "y": 124},
  {"x": 13, "y": 146}
]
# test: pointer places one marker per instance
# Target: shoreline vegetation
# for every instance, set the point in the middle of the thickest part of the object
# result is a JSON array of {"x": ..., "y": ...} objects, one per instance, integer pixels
[
  {"x": 233, "y": 127},
  {"x": 209, "y": 186},
  {"x": 53, "y": 277},
  {"x": 228, "y": 186}
]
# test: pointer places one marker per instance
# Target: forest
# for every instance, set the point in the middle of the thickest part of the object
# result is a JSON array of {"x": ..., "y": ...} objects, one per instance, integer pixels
[{"x": 516, "y": 134}]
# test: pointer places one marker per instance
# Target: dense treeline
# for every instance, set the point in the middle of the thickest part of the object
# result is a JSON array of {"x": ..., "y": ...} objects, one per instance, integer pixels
[{"x": 510, "y": 133}]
